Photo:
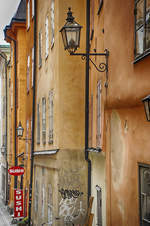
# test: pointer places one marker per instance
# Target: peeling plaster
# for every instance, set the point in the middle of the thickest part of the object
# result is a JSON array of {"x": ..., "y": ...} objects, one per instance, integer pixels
[{"x": 117, "y": 151}]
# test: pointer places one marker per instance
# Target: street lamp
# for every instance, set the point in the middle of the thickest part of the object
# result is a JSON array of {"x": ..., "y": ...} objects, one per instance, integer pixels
[
  {"x": 71, "y": 39},
  {"x": 71, "y": 33},
  {"x": 20, "y": 130},
  {"x": 146, "y": 102}
]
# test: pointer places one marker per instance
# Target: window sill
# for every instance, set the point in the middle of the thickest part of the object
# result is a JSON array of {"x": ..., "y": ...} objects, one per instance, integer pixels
[{"x": 142, "y": 56}]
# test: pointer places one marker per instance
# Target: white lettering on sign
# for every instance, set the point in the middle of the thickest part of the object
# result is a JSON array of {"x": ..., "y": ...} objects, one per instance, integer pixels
[
  {"x": 19, "y": 208},
  {"x": 18, "y": 203},
  {"x": 18, "y": 197}
]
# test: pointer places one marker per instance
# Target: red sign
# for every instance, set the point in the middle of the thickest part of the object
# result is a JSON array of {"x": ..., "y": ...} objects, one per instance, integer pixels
[
  {"x": 18, "y": 203},
  {"x": 16, "y": 170}
]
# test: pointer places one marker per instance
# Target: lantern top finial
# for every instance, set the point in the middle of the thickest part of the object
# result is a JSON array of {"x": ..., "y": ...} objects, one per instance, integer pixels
[{"x": 70, "y": 18}]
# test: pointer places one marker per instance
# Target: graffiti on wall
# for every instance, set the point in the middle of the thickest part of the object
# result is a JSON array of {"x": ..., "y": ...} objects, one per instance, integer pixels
[{"x": 71, "y": 205}]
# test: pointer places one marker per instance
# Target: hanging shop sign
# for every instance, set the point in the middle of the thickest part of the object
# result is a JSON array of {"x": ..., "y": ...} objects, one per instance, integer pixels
[
  {"x": 18, "y": 203},
  {"x": 16, "y": 170}
]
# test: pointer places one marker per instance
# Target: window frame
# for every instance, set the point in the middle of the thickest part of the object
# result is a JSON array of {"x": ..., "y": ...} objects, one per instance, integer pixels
[
  {"x": 40, "y": 49},
  {"x": 51, "y": 117},
  {"x": 99, "y": 115},
  {"x": 146, "y": 51},
  {"x": 46, "y": 37},
  {"x": 147, "y": 166},
  {"x": 38, "y": 123},
  {"x": 28, "y": 15},
  {"x": 52, "y": 23},
  {"x": 43, "y": 120}
]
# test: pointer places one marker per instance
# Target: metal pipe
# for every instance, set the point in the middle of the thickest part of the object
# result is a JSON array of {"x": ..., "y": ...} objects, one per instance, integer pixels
[
  {"x": 87, "y": 95},
  {"x": 33, "y": 117}
]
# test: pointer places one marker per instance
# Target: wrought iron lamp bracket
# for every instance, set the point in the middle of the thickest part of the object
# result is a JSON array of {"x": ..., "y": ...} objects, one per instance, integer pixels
[{"x": 102, "y": 67}]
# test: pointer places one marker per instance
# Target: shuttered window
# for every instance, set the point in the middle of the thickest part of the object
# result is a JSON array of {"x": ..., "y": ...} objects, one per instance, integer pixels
[
  {"x": 43, "y": 199},
  {"x": 28, "y": 14},
  {"x": 52, "y": 22},
  {"x": 28, "y": 73},
  {"x": 98, "y": 136},
  {"x": 40, "y": 49},
  {"x": 46, "y": 37},
  {"x": 44, "y": 120},
  {"x": 51, "y": 117},
  {"x": 38, "y": 123},
  {"x": 32, "y": 65},
  {"x": 36, "y": 206}
]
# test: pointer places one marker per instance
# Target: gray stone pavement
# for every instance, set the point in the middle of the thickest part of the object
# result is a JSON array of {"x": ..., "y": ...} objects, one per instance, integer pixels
[{"x": 5, "y": 218}]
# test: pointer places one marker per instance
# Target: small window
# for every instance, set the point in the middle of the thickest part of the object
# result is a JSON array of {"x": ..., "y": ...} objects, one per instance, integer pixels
[
  {"x": 28, "y": 14},
  {"x": 98, "y": 136},
  {"x": 50, "y": 117},
  {"x": 50, "y": 206},
  {"x": 142, "y": 27},
  {"x": 43, "y": 199},
  {"x": 38, "y": 123},
  {"x": 46, "y": 37},
  {"x": 40, "y": 49},
  {"x": 52, "y": 23},
  {"x": 144, "y": 190},
  {"x": 28, "y": 74},
  {"x": 44, "y": 120}
]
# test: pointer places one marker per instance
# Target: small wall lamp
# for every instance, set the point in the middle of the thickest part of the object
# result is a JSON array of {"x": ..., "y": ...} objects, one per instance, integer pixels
[
  {"x": 20, "y": 131},
  {"x": 146, "y": 102}
]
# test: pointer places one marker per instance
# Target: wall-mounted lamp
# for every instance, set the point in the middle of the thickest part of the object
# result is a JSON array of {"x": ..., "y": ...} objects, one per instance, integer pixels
[
  {"x": 71, "y": 39},
  {"x": 20, "y": 131},
  {"x": 146, "y": 102}
]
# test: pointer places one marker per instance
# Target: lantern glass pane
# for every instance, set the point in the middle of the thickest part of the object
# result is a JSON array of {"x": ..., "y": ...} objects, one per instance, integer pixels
[
  {"x": 63, "y": 32},
  {"x": 147, "y": 109}
]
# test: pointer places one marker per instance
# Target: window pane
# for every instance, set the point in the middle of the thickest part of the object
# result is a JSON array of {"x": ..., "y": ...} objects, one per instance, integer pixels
[
  {"x": 140, "y": 14},
  {"x": 147, "y": 24},
  {"x": 139, "y": 40}
]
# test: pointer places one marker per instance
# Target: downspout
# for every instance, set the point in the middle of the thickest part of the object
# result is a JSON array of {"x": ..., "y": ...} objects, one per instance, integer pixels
[
  {"x": 15, "y": 104},
  {"x": 33, "y": 117},
  {"x": 87, "y": 96},
  {"x": 6, "y": 195}
]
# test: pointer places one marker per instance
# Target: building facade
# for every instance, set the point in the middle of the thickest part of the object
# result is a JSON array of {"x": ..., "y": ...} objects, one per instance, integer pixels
[
  {"x": 122, "y": 169},
  {"x": 60, "y": 169}
]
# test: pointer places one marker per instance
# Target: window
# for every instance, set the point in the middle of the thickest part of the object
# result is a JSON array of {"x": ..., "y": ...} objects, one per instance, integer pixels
[
  {"x": 4, "y": 107},
  {"x": 52, "y": 23},
  {"x": 99, "y": 205},
  {"x": 32, "y": 65},
  {"x": 51, "y": 117},
  {"x": 43, "y": 199},
  {"x": 142, "y": 27},
  {"x": 28, "y": 16},
  {"x": 144, "y": 190},
  {"x": 50, "y": 206},
  {"x": 36, "y": 197},
  {"x": 38, "y": 123},
  {"x": 40, "y": 49},
  {"x": 28, "y": 74},
  {"x": 98, "y": 137},
  {"x": 46, "y": 37},
  {"x": 32, "y": 8},
  {"x": 44, "y": 120}
]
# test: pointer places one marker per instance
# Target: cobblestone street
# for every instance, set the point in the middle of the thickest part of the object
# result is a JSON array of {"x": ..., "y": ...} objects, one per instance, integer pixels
[{"x": 5, "y": 219}]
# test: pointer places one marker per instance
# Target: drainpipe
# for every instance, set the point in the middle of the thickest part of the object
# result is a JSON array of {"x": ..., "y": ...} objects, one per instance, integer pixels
[
  {"x": 6, "y": 194},
  {"x": 15, "y": 104},
  {"x": 87, "y": 96},
  {"x": 33, "y": 116}
]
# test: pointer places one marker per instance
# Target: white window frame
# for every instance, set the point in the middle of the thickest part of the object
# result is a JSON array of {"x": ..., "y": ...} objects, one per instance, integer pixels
[
  {"x": 52, "y": 22},
  {"x": 40, "y": 48},
  {"x": 28, "y": 14},
  {"x": 44, "y": 120},
  {"x": 38, "y": 123},
  {"x": 50, "y": 205},
  {"x": 32, "y": 65},
  {"x": 99, "y": 124},
  {"x": 46, "y": 37},
  {"x": 28, "y": 73},
  {"x": 33, "y": 8},
  {"x": 51, "y": 116}
]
